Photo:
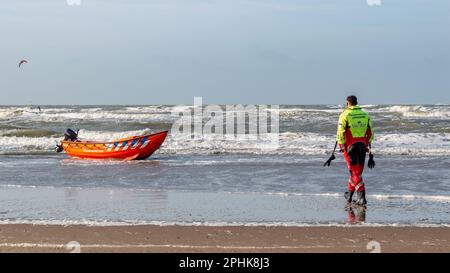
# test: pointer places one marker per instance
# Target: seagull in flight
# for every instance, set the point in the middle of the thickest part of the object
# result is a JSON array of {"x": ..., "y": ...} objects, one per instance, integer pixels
[{"x": 23, "y": 62}]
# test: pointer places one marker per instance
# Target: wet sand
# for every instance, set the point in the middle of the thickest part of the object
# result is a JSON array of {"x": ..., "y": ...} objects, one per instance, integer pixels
[{"x": 56, "y": 238}]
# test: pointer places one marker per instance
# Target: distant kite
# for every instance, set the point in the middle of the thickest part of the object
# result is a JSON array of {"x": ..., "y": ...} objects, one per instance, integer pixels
[{"x": 23, "y": 62}]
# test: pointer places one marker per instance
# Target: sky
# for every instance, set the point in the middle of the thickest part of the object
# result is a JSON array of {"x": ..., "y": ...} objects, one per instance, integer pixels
[{"x": 227, "y": 51}]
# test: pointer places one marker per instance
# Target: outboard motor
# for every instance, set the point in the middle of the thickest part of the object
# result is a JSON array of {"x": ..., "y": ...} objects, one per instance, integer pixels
[
  {"x": 70, "y": 135},
  {"x": 59, "y": 148}
]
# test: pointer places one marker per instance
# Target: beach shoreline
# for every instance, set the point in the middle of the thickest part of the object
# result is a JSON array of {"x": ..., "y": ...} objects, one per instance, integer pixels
[{"x": 222, "y": 239}]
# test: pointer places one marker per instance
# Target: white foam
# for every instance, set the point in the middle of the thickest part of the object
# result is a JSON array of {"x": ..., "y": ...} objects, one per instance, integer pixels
[
  {"x": 431, "y": 144},
  {"x": 106, "y": 223},
  {"x": 149, "y": 113},
  {"x": 434, "y": 198},
  {"x": 78, "y": 247},
  {"x": 296, "y": 143},
  {"x": 290, "y": 143},
  {"x": 418, "y": 111},
  {"x": 109, "y": 135},
  {"x": 26, "y": 144},
  {"x": 161, "y": 112},
  {"x": 16, "y": 186}
]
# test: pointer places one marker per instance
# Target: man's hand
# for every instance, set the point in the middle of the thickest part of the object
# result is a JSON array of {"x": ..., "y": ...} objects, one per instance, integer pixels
[
  {"x": 371, "y": 162},
  {"x": 328, "y": 162}
]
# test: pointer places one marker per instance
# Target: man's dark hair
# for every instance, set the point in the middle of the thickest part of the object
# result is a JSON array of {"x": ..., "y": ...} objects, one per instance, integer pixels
[{"x": 352, "y": 100}]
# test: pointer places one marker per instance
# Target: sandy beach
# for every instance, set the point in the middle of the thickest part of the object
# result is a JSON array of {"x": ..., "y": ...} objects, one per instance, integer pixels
[
  {"x": 227, "y": 127},
  {"x": 231, "y": 239}
]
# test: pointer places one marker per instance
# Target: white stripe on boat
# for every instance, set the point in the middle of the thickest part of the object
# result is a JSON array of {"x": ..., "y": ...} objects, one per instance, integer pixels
[
  {"x": 125, "y": 147},
  {"x": 136, "y": 143},
  {"x": 145, "y": 143},
  {"x": 110, "y": 146},
  {"x": 118, "y": 146}
]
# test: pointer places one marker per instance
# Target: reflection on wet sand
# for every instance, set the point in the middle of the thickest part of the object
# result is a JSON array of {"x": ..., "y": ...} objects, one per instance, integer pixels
[{"x": 356, "y": 214}]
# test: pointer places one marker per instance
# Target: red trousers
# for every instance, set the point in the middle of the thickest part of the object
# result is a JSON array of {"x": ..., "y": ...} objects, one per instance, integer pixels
[{"x": 355, "y": 163}]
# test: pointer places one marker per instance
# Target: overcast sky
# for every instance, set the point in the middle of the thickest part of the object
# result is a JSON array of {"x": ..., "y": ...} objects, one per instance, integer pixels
[{"x": 228, "y": 51}]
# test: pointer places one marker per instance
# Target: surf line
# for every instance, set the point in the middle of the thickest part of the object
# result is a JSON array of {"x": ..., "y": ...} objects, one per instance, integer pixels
[{"x": 66, "y": 246}]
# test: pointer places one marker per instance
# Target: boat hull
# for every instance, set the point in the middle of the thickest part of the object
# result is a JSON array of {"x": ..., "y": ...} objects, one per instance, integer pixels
[{"x": 132, "y": 148}]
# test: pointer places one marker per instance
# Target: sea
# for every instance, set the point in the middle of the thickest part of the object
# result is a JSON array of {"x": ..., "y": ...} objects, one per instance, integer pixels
[{"x": 214, "y": 181}]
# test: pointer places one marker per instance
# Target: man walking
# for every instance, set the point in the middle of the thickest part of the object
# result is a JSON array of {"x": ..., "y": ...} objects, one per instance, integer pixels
[{"x": 354, "y": 136}]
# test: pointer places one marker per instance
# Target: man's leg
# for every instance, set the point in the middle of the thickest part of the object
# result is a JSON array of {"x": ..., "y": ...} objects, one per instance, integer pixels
[
  {"x": 355, "y": 158},
  {"x": 350, "y": 185},
  {"x": 358, "y": 157},
  {"x": 357, "y": 179}
]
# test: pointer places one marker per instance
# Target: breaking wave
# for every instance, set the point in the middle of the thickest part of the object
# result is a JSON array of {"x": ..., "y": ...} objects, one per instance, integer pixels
[
  {"x": 288, "y": 143},
  {"x": 418, "y": 111},
  {"x": 304, "y": 129}
]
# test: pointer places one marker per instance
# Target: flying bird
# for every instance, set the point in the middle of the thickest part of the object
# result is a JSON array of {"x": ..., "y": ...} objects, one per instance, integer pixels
[{"x": 23, "y": 62}]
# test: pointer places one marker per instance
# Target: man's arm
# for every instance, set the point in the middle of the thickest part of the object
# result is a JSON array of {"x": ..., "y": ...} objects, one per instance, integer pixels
[
  {"x": 342, "y": 124},
  {"x": 370, "y": 131}
]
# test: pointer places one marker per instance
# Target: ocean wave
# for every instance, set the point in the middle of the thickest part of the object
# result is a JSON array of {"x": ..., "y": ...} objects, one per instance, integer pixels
[
  {"x": 417, "y": 111},
  {"x": 404, "y": 111},
  {"x": 149, "y": 113},
  {"x": 321, "y": 119},
  {"x": 104, "y": 116},
  {"x": 109, "y": 135},
  {"x": 311, "y": 144},
  {"x": 435, "y": 198},
  {"x": 305, "y": 130},
  {"x": 19, "y": 132},
  {"x": 433, "y": 144},
  {"x": 13, "y": 144},
  {"x": 109, "y": 223}
]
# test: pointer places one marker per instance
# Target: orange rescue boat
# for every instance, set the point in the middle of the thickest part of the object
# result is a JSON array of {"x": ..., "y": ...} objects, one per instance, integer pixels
[{"x": 130, "y": 148}]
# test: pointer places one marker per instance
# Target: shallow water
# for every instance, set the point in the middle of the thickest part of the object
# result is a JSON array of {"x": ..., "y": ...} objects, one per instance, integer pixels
[
  {"x": 215, "y": 181},
  {"x": 219, "y": 189}
]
